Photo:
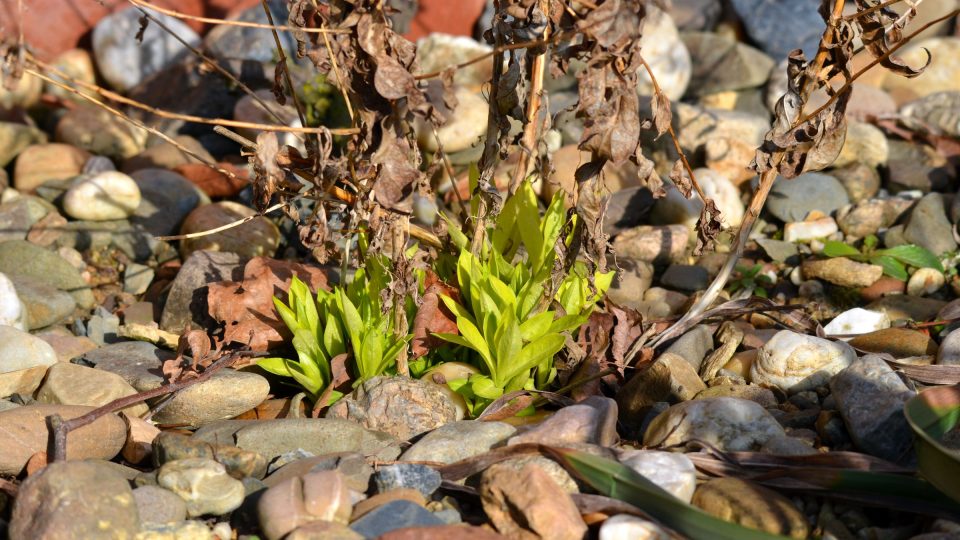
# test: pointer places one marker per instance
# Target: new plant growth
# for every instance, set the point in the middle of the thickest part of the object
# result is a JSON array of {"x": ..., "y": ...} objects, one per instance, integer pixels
[{"x": 894, "y": 260}]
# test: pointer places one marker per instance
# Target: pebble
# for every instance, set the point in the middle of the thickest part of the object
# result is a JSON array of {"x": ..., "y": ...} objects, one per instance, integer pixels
[
  {"x": 318, "y": 436},
  {"x": 674, "y": 208},
  {"x": 795, "y": 362},
  {"x": 527, "y": 501},
  {"x": 463, "y": 129},
  {"x": 166, "y": 200},
  {"x": 318, "y": 496},
  {"x": 627, "y": 527},
  {"x": 77, "y": 64},
  {"x": 899, "y": 342},
  {"x": 940, "y": 76},
  {"x": 21, "y": 257},
  {"x": 189, "y": 529},
  {"x": 864, "y": 143},
  {"x": 860, "y": 181},
  {"x": 729, "y": 423},
  {"x": 99, "y": 132},
  {"x": 14, "y": 138},
  {"x": 743, "y": 66},
  {"x": 762, "y": 396},
  {"x": 28, "y": 432},
  {"x": 689, "y": 278},
  {"x": 399, "y": 406},
  {"x": 459, "y": 440},
  {"x": 653, "y": 244},
  {"x": 394, "y": 515},
  {"x": 106, "y": 196},
  {"x": 24, "y": 359},
  {"x": 938, "y": 110},
  {"x": 593, "y": 420},
  {"x": 669, "y": 378},
  {"x": 696, "y": 15},
  {"x": 630, "y": 283},
  {"x": 437, "y": 51},
  {"x": 752, "y": 506},
  {"x": 12, "y": 311},
  {"x": 424, "y": 479},
  {"x": 842, "y": 271},
  {"x": 925, "y": 281},
  {"x": 857, "y": 321},
  {"x": 203, "y": 484},
  {"x": 780, "y": 27},
  {"x": 165, "y": 155},
  {"x": 257, "y": 237},
  {"x": 929, "y": 227},
  {"x": 949, "y": 351},
  {"x": 44, "y": 305},
  {"x": 913, "y": 166},
  {"x": 200, "y": 269},
  {"x": 667, "y": 55},
  {"x": 900, "y": 307},
  {"x": 24, "y": 94},
  {"x": 870, "y": 397},
  {"x": 235, "y": 46},
  {"x": 672, "y": 472},
  {"x": 42, "y": 163},
  {"x": 352, "y": 466},
  {"x": 125, "y": 62},
  {"x": 693, "y": 345},
  {"x": 869, "y": 216},
  {"x": 19, "y": 215},
  {"x": 77, "y": 499},
  {"x": 625, "y": 208},
  {"x": 791, "y": 200},
  {"x": 71, "y": 384},
  {"x": 158, "y": 506},
  {"x": 809, "y": 230},
  {"x": 728, "y": 139}
]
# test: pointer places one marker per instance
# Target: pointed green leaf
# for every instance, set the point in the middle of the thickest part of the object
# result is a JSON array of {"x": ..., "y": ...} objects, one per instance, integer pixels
[
  {"x": 277, "y": 366},
  {"x": 509, "y": 340},
  {"x": 288, "y": 316},
  {"x": 333, "y": 340},
  {"x": 371, "y": 355},
  {"x": 532, "y": 354},
  {"x": 833, "y": 248},
  {"x": 891, "y": 266},
  {"x": 536, "y": 326},
  {"x": 914, "y": 256}
]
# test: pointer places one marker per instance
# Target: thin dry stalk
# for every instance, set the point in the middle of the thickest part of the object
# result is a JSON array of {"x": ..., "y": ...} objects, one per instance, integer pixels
[
  {"x": 227, "y": 22},
  {"x": 222, "y": 228},
  {"x": 528, "y": 144},
  {"x": 283, "y": 62}
]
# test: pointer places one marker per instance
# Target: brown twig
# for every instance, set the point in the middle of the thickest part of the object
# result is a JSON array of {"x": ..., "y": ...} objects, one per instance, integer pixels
[
  {"x": 283, "y": 62},
  {"x": 226, "y": 22},
  {"x": 528, "y": 143},
  {"x": 222, "y": 228},
  {"x": 878, "y": 7},
  {"x": 60, "y": 428}
]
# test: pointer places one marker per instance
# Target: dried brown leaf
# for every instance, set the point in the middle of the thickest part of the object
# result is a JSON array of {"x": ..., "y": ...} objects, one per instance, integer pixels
[{"x": 680, "y": 178}]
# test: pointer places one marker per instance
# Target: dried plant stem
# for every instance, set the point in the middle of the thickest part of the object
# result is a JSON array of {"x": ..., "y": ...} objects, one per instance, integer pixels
[
  {"x": 60, "y": 428},
  {"x": 225, "y": 22},
  {"x": 213, "y": 64},
  {"x": 137, "y": 123},
  {"x": 673, "y": 135},
  {"x": 878, "y": 7},
  {"x": 756, "y": 203},
  {"x": 283, "y": 62},
  {"x": 222, "y": 228},
  {"x": 336, "y": 72},
  {"x": 113, "y": 96},
  {"x": 528, "y": 144}
]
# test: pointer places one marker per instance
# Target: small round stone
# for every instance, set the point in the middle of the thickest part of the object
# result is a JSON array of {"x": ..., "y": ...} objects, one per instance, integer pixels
[
  {"x": 107, "y": 196},
  {"x": 796, "y": 362},
  {"x": 203, "y": 484},
  {"x": 925, "y": 281},
  {"x": 258, "y": 237}
]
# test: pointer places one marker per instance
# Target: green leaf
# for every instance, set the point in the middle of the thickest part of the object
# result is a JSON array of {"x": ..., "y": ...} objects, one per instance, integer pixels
[
  {"x": 833, "y": 248},
  {"x": 457, "y": 309},
  {"x": 931, "y": 414},
  {"x": 534, "y": 353},
  {"x": 509, "y": 341},
  {"x": 569, "y": 322},
  {"x": 620, "y": 482},
  {"x": 351, "y": 320},
  {"x": 476, "y": 342},
  {"x": 310, "y": 384},
  {"x": 914, "y": 255},
  {"x": 536, "y": 326},
  {"x": 370, "y": 356},
  {"x": 333, "y": 340},
  {"x": 459, "y": 239},
  {"x": 277, "y": 366},
  {"x": 287, "y": 314},
  {"x": 891, "y": 266},
  {"x": 483, "y": 386}
]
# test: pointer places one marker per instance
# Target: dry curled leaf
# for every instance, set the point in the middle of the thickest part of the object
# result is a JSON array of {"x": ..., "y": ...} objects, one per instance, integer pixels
[
  {"x": 883, "y": 28},
  {"x": 433, "y": 317}
]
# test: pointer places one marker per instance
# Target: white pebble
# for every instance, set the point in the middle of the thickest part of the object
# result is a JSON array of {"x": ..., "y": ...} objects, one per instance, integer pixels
[
  {"x": 12, "y": 312},
  {"x": 108, "y": 195},
  {"x": 809, "y": 230},
  {"x": 925, "y": 281},
  {"x": 857, "y": 321}
]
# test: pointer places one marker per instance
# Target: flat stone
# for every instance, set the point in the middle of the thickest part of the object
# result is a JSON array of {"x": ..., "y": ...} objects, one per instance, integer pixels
[
  {"x": 801, "y": 231},
  {"x": 26, "y": 434},
  {"x": 105, "y": 196},
  {"x": 864, "y": 143},
  {"x": 298, "y": 501},
  {"x": 352, "y": 466},
  {"x": 751, "y": 505},
  {"x": 938, "y": 110},
  {"x": 667, "y": 55},
  {"x": 459, "y": 440},
  {"x": 14, "y": 138},
  {"x": 527, "y": 503},
  {"x": 653, "y": 244},
  {"x": 70, "y": 384},
  {"x": 899, "y": 342},
  {"x": 167, "y": 199},
  {"x": 437, "y": 51},
  {"x": 796, "y": 362},
  {"x": 399, "y": 406},
  {"x": 187, "y": 299},
  {"x": 192, "y": 529},
  {"x": 685, "y": 277},
  {"x": 43, "y": 163},
  {"x": 18, "y": 216},
  {"x": 729, "y": 423},
  {"x": 857, "y": 321},
  {"x": 255, "y": 238},
  {"x": 630, "y": 283},
  {"x": 99, "y": 132},
  {"x": 780, "y": 27},
  {"x": 791, "y": 200},
  {"x": 24, "y": 258},
  {"x": 79, "y": 499},
  {"x": 593, "y": 421},
  {"x": 860, "y": 181},
  {"x": 407, "y": 476},
  {"x": 24, "y": 360},
  {"x": 318, "y": 436},
  {"x": 158, "y": 506},
  {"x": 392, "y": 516},
  {"x": 842, "y": 271},
  {"x": 464, "y": 128},
  {"x": 672, "y": 472},
  {"x": 940, "y": 76},
  {"x": 743, "y": 65},
  {"x": 870, "y": 397},
  {"x": 45, "y": 305},
  {"x": 762, "y": 396},
  {"x": 913, "y": 166},
  {"x": 902, "y": 307},
  {"x": 168, "y": 446},
  {"x": 674, "y": 208},
  {"x": 670, "y": 378},
  {"x": 203, "y": 484},
  {"x": 929, "y": 227},
  {"x": 164, "y": 155}
]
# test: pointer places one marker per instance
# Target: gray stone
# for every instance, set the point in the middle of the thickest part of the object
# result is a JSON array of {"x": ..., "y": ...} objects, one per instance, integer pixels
[
  {"x": 18, "y": 215},
  {"x": 103, "y": 327},
  {"x": 138, "y": 362},
  {"x": 235, "y": 46},
  {"x": 437, "y": 51},
  {"x": 728, "y": 423},
  {"x": 652, "y": 244},
  {"x": 24, "y": 359},
  {"x": 720, "y": 64},
  {"x": 399, "y": 406},
  {"x": 929, "y": 227},
  {"x": 318, "y": 436},
  {"x": 694, "y": 15},
  {"x": 459, "y": 440},
  {"x": 779, "y": 27},
  {"x": 23, "y": 258},
  {"x": 45, "y": 304},
  {"x": 190, "y": 529},
  {"x": 949, "y": 352},
  {"x": 626, "y": 208},
  {"x": 187, "y": 300},
  {"x": 352, "y": 466},
  {"x": 133, "y": 240},
  {"x": 861, "y": 181},
  {"x": 14, "y": 138},
  {"x": 630, "y": 283},
  {"x": 158, "y": 506},
  {"x": 163, "y": 155},
  {"x": 792, "y": 200},
  {"x": 778, "y": 250},
  {"x": 100, "y": 132},
  {"x": 203, "y": 484},
  {"x": 166, "y": 200},
  {"x": 137, "y": 278},
  {"x": 672, "y": 472},
  {"x": 870, "y": 397},
  {"x": 940, "y": 110},
  {"x": 685, "y": 277},
  {"x": 593, "y": 421},
  {"x": 124, "y": 61},
  {"x": 394, "y": 515},
  {"x": 70, "y": 384},
  {"x": 79, "y": 499},
  {"x": 693, "y": 345},
  {"x": 913, "y": 166},
  {"x": 407, "y": 475}
]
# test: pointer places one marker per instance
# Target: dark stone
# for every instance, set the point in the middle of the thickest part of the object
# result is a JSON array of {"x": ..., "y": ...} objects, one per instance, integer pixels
[
  {"x": 187, "y": 301},
  {"x": 407, "y": 475},
  {"x": 626, "y": 208},
  {"x": 394, "y": 515},
  {"x": 779, "y": 26}
]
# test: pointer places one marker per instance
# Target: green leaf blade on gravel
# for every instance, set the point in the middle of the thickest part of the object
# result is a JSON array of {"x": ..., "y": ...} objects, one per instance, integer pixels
[
  {"x": 833, "y": 248},
  {"x": 914, "y": 255}
]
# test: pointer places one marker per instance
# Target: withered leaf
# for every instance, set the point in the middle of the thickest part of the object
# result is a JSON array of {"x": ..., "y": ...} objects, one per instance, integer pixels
[
  {"x": 339, "y": 377},
  {"x": 433, "y": 317},
  {"x": 267, "y": 174},
  {"x": 396, "y": 177},
  {"x": 680, "y": 178},
  {"x": 708, "y": 226},
  {"x": 662, "y": 114},
  {"x": 880, "y": 30}
]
